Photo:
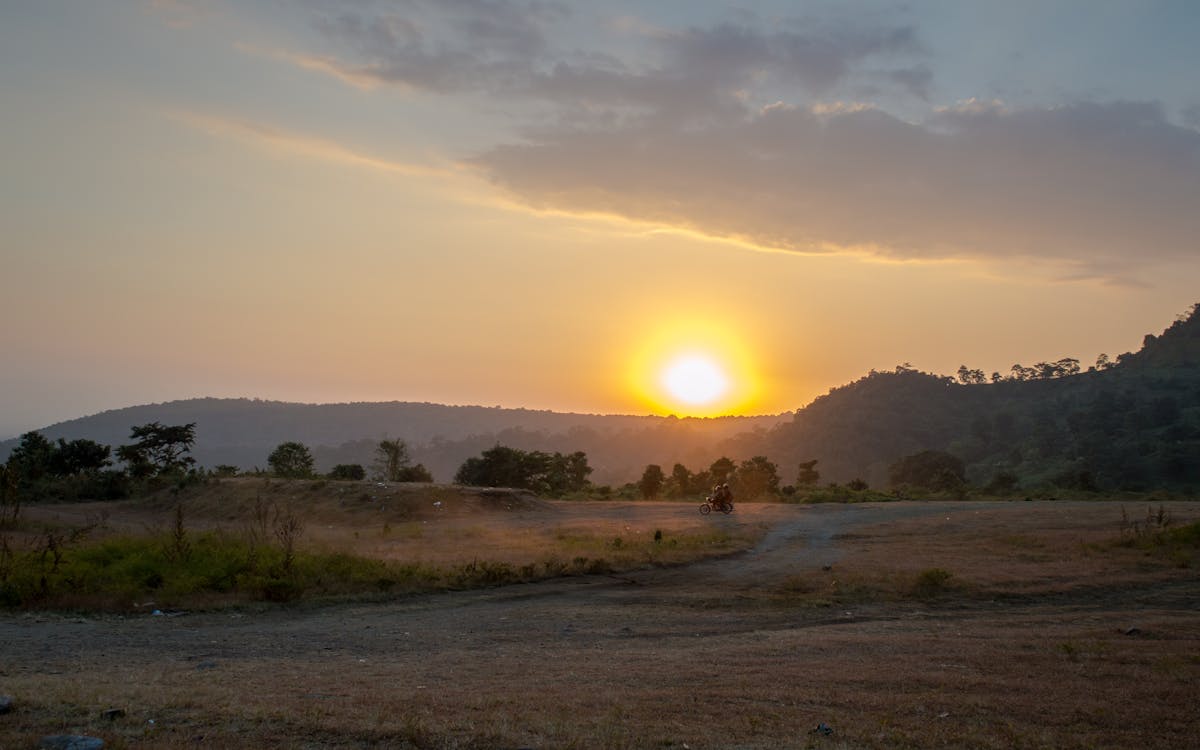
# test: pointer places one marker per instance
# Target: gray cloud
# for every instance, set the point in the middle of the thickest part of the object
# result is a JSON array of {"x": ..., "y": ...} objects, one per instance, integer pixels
[
  {"x": 677, "y": 133},
  {"x": 1191, "y": 115},
  {"x": 502, "y": 47},
  {"x": 1098, "y": 185},
  {"x": 442, "y": 46}
]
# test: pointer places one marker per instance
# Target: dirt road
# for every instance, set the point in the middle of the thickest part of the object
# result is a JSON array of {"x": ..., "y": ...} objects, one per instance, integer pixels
[{"x": 753, "y": 651}]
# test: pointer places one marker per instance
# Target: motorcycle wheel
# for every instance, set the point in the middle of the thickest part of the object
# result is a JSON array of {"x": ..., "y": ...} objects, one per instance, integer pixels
[
  {"x": 727, "y": 508},
  {"x": 705, "y": 509}
]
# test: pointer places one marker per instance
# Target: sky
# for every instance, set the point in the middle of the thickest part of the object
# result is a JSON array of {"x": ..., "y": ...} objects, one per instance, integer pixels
[{"x": 574, "y": 205}]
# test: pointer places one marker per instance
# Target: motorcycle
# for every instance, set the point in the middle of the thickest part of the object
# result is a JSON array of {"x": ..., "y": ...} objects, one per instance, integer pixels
[{"x": 711, "y": 504}]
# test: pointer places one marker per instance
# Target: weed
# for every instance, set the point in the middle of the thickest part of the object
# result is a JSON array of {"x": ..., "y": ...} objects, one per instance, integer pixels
[
  {"x": 179, "y": 546},
  {"x": 931, "y": 583}
]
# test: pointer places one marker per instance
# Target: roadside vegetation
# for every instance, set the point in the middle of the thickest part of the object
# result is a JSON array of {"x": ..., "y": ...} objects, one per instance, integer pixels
[{"x": 236, "y": 541}]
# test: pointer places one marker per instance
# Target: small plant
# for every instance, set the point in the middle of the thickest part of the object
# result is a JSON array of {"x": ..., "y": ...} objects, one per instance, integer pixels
[
  {"x": 179, "y": 545},
  {"x": 288, "y": 530},
  {"x": 931, "y": 583}
]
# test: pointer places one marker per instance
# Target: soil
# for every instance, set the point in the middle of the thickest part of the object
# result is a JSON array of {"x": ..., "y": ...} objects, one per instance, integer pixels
[{"x": 1038, "y": 632}]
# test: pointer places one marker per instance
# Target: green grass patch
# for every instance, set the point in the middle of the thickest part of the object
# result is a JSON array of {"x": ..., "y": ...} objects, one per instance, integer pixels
[{"x": 177, "y": 569}]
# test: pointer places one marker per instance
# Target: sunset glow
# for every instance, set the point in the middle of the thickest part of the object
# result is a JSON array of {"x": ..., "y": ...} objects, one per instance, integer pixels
[
  {"x": 556, "y": 205},
  {"x": 696, "y": 366},
  {"x": 695, "y": 380}
]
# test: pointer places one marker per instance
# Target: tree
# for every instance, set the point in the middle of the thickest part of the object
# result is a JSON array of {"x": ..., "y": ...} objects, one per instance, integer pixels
[
  {"x": 567, "y": 473},
  {"x": 348, "y": 472},
  {"x": 808, "y": 476},
  {"x": 499, "y": 466},
  {"x": 159, "y": 449},
  {"x": 930, "y": 470},
  {"x": 32, "y": 457},
  {"x": 681, "y": 480},
  {"x": 392, "y": 463},
  {"x": 79, "y": 457},
  {"x": 291, "y": 460},
  {"x": 415, "y": 473},
  {"x": 756, "y": 477},
  {"x": 967, "y": 376},
  {"x": 540, "y": 472},
  {"x": 652, "y": 481},
  {"x": 721, "y": 470},
  {"x": 391, "y": 457}
]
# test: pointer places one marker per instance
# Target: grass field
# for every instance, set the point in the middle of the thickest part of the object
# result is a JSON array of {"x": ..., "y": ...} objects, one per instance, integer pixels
[{"x": 912, "y": 625}]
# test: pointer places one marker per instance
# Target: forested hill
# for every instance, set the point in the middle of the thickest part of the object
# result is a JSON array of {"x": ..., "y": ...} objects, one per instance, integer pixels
[
  {"x": 1129, "y": 423},
  {"x": 243, "y": 432}
]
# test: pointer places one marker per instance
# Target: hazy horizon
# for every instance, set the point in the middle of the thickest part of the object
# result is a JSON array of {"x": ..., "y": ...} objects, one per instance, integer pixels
[{"x": 690, "y": 207}]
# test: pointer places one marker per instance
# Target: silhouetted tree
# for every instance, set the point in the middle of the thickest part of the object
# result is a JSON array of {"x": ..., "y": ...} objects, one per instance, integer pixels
[
  {"x": 159, "y": 449},
  {"x": 79, "y": 457},
  {"x": 540, "y": 472},
  {"x": 348, "y": 472},
  {"x": 32, "y": 457},
  {"x": 681, "y": 480},
  {"x": 970, "y": 377},
  {"x": 391, "y": 457},
  {"x": 808, "y": 476},
  {"x": 652, "y": 481},
  {"x": 291, "y": 460},
  {"x": 755, "y": 478},
  {"x": 721, "y": 470}
]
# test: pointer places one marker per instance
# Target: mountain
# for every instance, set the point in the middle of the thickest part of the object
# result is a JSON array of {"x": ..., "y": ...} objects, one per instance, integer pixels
[
  {"x": 1129, "y": 424},
  {"x": 1133, "y": 423},
  {"x": 243, "y": 432}
]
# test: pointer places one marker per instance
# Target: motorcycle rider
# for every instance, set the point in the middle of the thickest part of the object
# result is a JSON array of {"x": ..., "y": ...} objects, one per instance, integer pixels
[{"x": 723, "y": 496}]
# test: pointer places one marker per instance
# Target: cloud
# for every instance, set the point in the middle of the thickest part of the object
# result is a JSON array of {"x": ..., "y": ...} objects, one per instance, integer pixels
[
  {"x": 1191, "y": 115},
  {"x": 1096, "y": 186},
  {"x": 177, "y": 14},
  {"x": 778, "y": 134},
  {"x": 506, "y": 48},
  {"x": 441, "y": 46},
  {"x": 307, "y": 146}
]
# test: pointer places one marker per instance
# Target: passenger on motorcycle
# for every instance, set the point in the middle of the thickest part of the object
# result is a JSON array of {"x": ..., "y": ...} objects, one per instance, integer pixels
[{"x": 722, "y": 496}]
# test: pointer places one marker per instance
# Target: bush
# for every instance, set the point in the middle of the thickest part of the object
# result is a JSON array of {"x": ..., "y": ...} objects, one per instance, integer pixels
[
  {"x": 931, "y": 583},
  {"x": 348, "y": 472}
]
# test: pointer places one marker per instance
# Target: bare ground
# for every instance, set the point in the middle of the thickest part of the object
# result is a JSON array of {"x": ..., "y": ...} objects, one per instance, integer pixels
[{"x": 1041, "y": 634}]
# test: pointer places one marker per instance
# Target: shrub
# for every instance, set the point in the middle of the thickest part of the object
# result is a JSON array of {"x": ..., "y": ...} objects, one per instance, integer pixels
[
  {"x": 931, "y": 583},
  {"x": 348, "y": 472}
]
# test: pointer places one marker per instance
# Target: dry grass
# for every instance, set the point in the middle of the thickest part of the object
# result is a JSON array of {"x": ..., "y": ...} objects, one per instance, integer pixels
[{"x": 1026, "y": 644}]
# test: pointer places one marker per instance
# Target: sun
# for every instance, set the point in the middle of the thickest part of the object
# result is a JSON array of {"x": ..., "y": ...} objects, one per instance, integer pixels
[
  {"x": 693, "y": 365},
  {"x": 695, "y": 379}
]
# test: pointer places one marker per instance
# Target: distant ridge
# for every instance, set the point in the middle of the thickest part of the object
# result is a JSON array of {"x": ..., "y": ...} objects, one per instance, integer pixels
[
  {"x": 242, "y": 432},
  {"x": 1133, "y": 423}
]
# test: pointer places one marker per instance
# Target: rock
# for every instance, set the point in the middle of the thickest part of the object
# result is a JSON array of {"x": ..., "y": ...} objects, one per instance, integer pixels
[
  {"x": 112, "y": 714},
  {"x": 71, "y": 742},
  {"x": 1132, "y": 631},
  {"x": 6, "y": 704},
  {"x": 206, "y": 665}
]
